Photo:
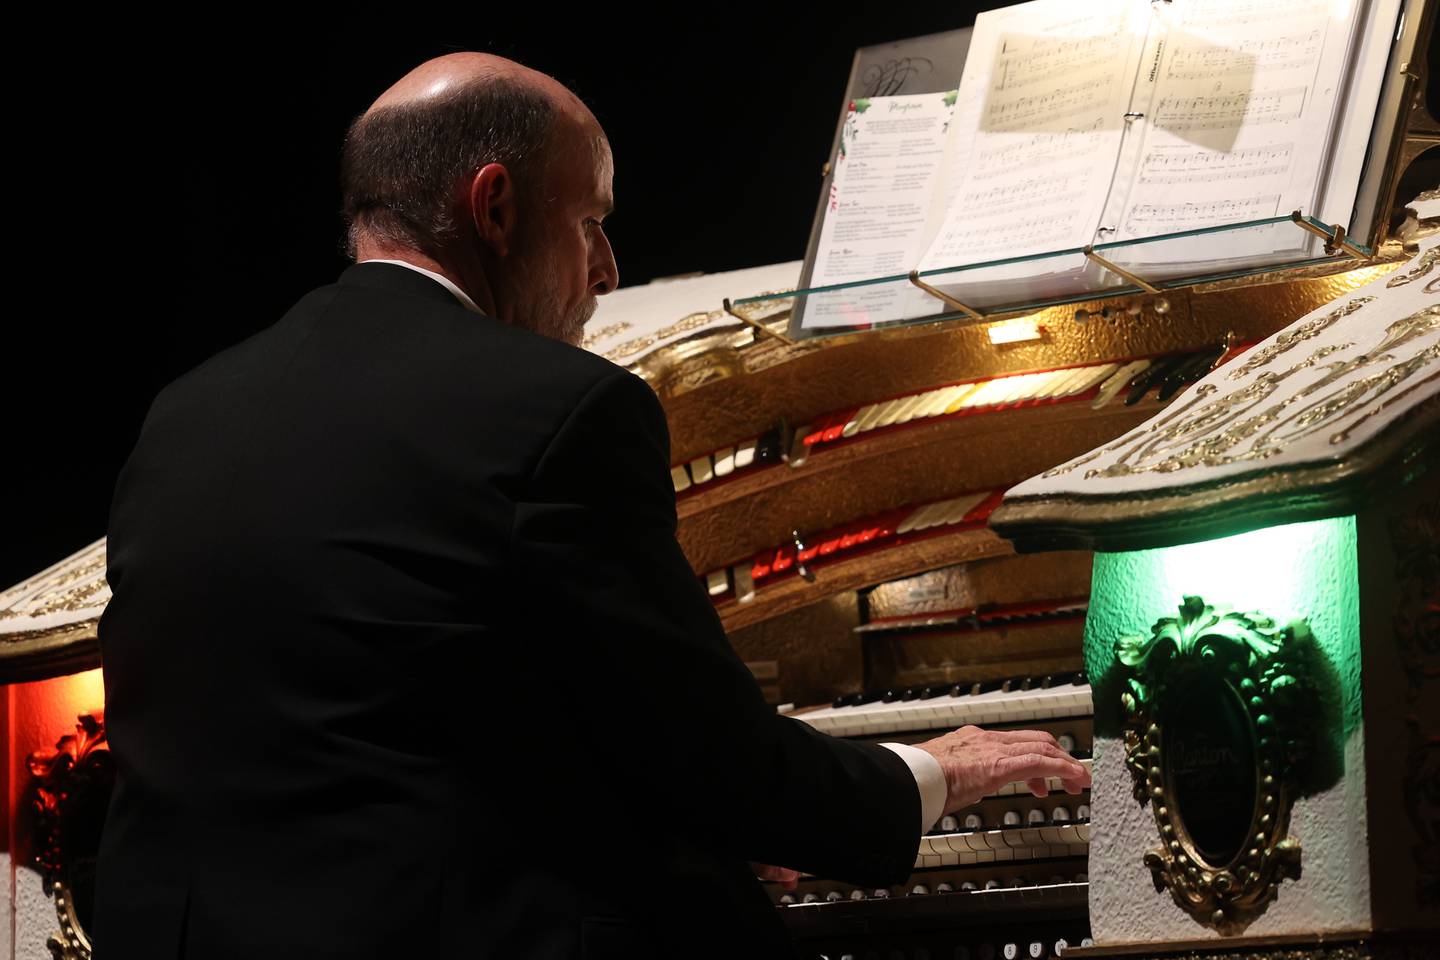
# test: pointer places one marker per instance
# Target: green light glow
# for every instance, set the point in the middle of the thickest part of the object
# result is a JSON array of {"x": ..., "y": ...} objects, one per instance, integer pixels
[{"x": 1299, "y": 570}]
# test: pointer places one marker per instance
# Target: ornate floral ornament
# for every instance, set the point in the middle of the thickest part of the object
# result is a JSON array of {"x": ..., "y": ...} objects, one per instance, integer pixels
[
  {"x": 1233, "y": 665},
  {"x": 71, "y": 786}
]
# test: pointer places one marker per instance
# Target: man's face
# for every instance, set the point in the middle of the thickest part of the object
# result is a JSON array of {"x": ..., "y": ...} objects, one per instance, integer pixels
[{"x": 563, "y": 259}]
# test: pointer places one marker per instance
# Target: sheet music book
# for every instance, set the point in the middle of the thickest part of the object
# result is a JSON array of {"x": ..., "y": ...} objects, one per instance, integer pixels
[{"x": 1082, "y": 123}]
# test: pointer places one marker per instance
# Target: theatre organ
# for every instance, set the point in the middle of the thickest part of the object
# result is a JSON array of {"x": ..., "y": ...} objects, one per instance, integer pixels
[{"x": 834, "y": 498}]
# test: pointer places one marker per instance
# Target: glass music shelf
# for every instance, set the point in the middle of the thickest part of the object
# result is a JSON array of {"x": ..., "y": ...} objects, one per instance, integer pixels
[{"x": 992, "y": 289}]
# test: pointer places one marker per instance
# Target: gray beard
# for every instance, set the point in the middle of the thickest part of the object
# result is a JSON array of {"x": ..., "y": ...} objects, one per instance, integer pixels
[{"x": 533, "y": 294}]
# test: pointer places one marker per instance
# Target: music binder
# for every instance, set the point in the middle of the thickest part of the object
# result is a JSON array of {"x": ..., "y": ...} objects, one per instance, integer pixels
[{"x": 1075, "y": 126}]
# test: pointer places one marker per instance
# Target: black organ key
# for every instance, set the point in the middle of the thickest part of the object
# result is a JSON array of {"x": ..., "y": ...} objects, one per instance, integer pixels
[
  {"x": 912, "y": 693},
  {"x": 890, "y": 696},
  {"x": 846, "y": 700},
  {"x": 938, "y": 690},
  {"x": 767, "y": 448}
]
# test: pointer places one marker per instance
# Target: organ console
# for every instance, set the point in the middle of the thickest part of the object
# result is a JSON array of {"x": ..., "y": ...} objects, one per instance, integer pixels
[{"x": 834, "y": 499}]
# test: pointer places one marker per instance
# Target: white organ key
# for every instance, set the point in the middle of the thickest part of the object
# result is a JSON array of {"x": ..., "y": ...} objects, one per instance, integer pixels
[
  {"x": 744, "y": 582},
  {"x": 887, "y": 412},
  {"x": 1023, "y": 387},
  {"x": 913, "y": 521},
  {"x": 744, "y": 454},
  {"x": 1059, "y": 385},
  {"x": 960, "y": 507},
  {"x": 908, "y": 408},
  {"x": 716, "y": 582},
  {"x": 701, "y": 470},
  {"x": 1066, "y": 699},
  {"x": 939, "y": 400},
  {"x": 989, "y": 394},
  {"x": 933, "y": 514},
  {"x": 962, "y": 395},
  {"x": 1118, "y": 381},
  {"x": 725, "y": 462},
  {"x": 1093, "y": 376},
  {"x": 680, "y": 478},
  {"x": 870, "y": 416}
]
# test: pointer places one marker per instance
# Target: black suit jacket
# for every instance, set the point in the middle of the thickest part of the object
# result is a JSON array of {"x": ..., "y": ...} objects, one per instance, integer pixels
[{"x": 404, "y": 658}]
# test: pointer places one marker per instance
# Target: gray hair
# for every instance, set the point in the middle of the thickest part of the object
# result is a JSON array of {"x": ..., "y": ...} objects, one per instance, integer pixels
[{"x": 400, "y": 165}]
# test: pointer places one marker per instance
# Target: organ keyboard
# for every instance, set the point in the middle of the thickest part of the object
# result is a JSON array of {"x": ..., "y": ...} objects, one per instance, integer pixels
[{"x": 979, "y": 704}]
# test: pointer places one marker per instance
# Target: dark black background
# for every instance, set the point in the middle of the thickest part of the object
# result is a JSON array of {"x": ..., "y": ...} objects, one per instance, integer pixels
[
  {"x": 174, "y": 186},
  {"x": 179, "y": 189}
]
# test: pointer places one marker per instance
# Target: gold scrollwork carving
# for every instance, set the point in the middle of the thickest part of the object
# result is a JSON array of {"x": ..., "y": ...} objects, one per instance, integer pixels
[
  {"x": 1245, "y": 653},
  {"x": 1210, "y": 430},
  {"x": 1422, "y": 267}
]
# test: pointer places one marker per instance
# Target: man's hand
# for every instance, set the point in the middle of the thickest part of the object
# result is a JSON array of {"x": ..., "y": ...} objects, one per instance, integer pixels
[
  {"x": 978, "y": 762},
  {"x": 781, "y": 875}
]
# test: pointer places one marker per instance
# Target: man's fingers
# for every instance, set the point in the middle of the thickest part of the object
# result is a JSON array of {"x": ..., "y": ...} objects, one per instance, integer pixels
[
  {"x": 1038, "y": 786},
  {"x": 1038, "y": 766},
  {"x": 776, "y": 874},
  {"x": 1042, "y": 748},
  {"x": 1022, "y": 736}
]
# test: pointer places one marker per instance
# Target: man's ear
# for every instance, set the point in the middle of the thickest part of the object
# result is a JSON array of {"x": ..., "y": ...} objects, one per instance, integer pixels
[{"x": 492, "y": 206}]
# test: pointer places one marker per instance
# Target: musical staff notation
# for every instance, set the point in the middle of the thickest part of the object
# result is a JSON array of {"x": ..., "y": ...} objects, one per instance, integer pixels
[
  {"x": 1172, "y": 164},
  {"x": 1155, "y": 218},
  {"x": 1230, "y": 110},
  {"x": 1263, "y": 54}
]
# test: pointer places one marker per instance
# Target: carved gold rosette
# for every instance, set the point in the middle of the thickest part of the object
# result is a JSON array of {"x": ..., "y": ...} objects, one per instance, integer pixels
[
  {"x": 1235, "y": 658},
  {"x": 71, "y": 787}
]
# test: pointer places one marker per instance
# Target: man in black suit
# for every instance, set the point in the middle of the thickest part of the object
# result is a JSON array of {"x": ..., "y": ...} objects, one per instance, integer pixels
[{"x": 403, "y": 658}]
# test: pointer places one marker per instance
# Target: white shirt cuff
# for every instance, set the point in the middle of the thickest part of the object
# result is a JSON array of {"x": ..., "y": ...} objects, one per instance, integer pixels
[{"x": 929, "y": 778}]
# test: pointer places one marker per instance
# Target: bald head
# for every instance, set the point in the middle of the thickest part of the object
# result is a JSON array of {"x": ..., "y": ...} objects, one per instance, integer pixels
[
  {"x": 405, "y": 156},
  {"x": 438, "y": 78}
]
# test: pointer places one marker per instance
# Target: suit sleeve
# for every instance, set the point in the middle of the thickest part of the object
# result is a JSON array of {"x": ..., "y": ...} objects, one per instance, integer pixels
[{"x": 671, "y": 707}]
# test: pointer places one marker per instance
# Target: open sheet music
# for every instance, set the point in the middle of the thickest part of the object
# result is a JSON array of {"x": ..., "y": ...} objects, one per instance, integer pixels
[{"x": 1078, "y": 123}]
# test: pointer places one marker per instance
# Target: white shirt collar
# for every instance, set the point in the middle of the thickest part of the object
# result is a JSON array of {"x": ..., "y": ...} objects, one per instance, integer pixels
[{"x": 444, "y": 281}]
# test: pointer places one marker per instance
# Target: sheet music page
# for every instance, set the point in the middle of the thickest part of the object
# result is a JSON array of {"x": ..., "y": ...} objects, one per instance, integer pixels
[
  {"x": 1242, "y": 109},
  {"x": 1038, "y": 125},
  {"x": 880, "y": 194}
]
